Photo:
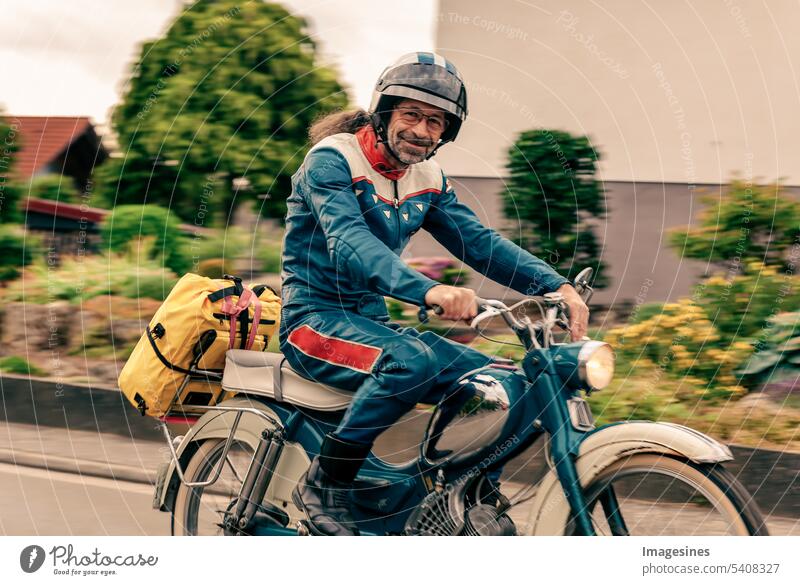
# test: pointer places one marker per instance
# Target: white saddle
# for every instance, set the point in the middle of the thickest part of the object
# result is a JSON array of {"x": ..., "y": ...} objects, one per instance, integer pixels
[{"x": 269, "y": 374}]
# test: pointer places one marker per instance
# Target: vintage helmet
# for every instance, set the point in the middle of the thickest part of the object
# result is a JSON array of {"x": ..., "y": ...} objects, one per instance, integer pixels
[{"x": 427, "y": 77}]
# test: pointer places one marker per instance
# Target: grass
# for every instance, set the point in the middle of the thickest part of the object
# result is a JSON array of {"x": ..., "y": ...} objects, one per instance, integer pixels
[{"x": 16, "y": 365}]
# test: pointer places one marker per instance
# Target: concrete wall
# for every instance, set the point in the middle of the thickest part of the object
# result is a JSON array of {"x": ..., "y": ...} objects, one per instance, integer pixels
[{"x": 632, "y": 237}]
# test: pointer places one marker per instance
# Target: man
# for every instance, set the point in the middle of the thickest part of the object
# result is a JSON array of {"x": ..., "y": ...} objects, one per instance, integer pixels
[{"x": 364, "y": 189}]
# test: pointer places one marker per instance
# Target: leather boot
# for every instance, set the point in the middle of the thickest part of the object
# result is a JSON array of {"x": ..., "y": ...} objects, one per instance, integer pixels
[{"x": 323, "y": 493}]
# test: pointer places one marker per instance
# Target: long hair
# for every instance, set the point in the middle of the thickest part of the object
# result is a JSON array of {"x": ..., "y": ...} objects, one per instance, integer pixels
[{"x": 348, "y": 121}]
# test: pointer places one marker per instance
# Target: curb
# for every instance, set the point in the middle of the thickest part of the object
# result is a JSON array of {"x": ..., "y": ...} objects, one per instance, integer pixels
[{"x": 82, "y": 467}]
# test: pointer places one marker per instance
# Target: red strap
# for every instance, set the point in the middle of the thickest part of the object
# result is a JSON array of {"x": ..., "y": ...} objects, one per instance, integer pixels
[
  {"x": 247, "y": 298},
  {"x": 234, "y": 309},
  {"x": 256, "y": 320},
  {"x": 232, "y": 334}
]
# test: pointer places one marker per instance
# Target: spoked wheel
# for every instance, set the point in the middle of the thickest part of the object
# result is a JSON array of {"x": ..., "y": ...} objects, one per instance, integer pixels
[
  {"x": 657, "y": 495},
  {"x": 202, "y": 510}
]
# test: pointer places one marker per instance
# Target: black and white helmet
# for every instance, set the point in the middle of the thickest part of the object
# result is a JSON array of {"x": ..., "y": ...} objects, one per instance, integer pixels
[{"x": 427, "y": 77}]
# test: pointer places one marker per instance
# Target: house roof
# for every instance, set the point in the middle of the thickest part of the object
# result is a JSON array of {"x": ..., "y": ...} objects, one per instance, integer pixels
[
  {"x": 84, "y": 213},
  {"x": 65, "y": 210},
  {"x": 44, "y": 138}
]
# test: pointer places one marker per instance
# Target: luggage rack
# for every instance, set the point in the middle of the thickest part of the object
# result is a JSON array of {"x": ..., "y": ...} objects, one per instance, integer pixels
[{"x": 273, "y": 439}]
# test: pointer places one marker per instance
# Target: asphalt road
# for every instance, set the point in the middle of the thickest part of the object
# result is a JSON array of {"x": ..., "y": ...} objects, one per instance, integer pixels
[
  {"x": 42, "y": 502},
  {"x": 83, "y": 499}
]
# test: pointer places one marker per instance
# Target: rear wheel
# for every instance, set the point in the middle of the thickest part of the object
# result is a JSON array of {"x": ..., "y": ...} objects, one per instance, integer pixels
[
  {"x": 659, "y": 495},
  {"x": 202, "y": 510}
]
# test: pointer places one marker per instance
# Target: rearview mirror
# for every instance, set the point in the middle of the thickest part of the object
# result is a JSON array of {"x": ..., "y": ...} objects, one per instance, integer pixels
[{"x": 582, "y": 284}]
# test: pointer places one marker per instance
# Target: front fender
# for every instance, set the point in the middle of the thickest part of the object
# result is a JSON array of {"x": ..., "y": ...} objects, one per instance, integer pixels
[
  {"x": 216, "y": 424},
  {"x": 600, "y": 448}
]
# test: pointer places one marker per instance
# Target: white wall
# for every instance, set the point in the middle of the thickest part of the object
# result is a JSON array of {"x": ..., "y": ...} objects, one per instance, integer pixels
[{"x": 673, "y": 91}]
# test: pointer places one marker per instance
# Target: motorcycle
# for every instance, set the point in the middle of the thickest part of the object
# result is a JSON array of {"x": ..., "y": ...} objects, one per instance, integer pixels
[{"x": 234, "y": 471}]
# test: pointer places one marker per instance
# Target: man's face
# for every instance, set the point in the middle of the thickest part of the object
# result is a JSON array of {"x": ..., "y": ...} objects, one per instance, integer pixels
[{"x": 414, "y": 130}]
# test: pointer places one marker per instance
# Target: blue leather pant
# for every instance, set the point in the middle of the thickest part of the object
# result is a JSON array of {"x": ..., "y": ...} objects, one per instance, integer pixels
[{"x": 390, "y": 368}]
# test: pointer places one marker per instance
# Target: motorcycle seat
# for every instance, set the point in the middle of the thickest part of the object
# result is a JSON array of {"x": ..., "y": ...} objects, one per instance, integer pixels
[{"x": 269, "y": 374}]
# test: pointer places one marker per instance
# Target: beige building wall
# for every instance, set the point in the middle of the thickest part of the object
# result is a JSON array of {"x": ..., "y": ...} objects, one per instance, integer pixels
[
  {"x": 685, "y": 92},
  {"x": 677, "y": 97}
]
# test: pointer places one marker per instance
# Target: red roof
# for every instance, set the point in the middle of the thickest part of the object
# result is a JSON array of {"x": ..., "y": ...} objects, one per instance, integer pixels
[
  {"x": 83, "y": 212},
  {"x": 43, "y": 139},
  {"x": 66, "y": 210}
]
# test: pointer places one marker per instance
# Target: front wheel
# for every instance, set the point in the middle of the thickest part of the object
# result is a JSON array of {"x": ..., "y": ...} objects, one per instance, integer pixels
[{"x": 650, "y": 494}]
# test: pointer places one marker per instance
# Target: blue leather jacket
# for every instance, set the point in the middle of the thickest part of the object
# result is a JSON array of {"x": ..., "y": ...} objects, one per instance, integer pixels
[{"x": 350, "y": 217}]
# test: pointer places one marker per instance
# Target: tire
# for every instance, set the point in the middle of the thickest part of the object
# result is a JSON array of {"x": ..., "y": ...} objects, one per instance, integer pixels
[
  {"x": 201, "y": 510},
  {"x": 661, "y": 495}
]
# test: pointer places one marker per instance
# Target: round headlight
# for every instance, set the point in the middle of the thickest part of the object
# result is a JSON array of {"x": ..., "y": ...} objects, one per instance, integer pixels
[{"x": 596, "y": 364}]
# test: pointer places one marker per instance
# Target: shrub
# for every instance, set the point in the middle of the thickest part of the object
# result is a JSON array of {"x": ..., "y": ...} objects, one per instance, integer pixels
[
  {"x": 741, "y": 305},
  {"x": 228, "y": 245},
  {"x": 150, "y": 283},
  {"x": 16, "y": 365},
  {"x": 645, "y": 312},
  {"x": 776, "y": 353},
  {"x": 10, "y": 194},
  {"x": 135, "y": 223},
  {"x": 15, "y": 252},
  {"x": 646, "y": 395},
  {"x": 395, "y": 309},
  {"x": 212, "y": 268},
  {"x": 443, "y": 270},
  {"x": 743, "y": 224},
  {"x": 80, "y": 279},
  {"x": 268, "y": 254},
  {"x": 681, "y": 340},
  {"x": 53, "y": 186}
]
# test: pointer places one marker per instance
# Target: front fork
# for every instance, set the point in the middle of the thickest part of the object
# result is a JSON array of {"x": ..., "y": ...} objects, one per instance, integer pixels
[{"x": 565, "y": 439}]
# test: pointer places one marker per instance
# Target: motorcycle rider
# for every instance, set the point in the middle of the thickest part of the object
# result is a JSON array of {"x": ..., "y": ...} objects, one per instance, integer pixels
[{"x": 366, "y": 186}]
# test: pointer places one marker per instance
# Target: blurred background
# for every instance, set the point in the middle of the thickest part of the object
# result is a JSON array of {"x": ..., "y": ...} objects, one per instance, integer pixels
[{"x": 143, "y": 140}]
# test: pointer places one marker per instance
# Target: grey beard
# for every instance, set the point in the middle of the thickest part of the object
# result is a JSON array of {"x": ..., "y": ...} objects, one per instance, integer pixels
[{"x": 406, "y": 158}]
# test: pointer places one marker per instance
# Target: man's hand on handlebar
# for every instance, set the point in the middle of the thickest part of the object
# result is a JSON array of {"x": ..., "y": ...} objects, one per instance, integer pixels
[
  {"x": 457, "y": 303},
  {"x": 578, "y": 312}
]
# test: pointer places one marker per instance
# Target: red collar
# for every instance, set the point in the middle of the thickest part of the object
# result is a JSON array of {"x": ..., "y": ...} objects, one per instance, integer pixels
[{"x": 368, "y": 142}]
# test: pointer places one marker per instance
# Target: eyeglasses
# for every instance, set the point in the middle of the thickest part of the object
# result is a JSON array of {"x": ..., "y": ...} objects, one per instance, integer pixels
[{"x": 413, "y": 117}]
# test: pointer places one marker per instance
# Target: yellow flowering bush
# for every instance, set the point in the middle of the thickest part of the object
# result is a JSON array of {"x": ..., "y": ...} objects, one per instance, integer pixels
[
  {"x": 681, "y": 340},
  {"x": 741, "y": 306}
]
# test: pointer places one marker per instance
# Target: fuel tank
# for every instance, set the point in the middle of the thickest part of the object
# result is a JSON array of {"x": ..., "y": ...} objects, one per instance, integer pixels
[{"x": 480, "y": 422}]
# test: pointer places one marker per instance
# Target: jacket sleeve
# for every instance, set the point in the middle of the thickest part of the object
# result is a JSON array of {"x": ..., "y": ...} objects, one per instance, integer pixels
[
  {"x": 457, "y": 228},
  {"x": 354, "y": 250}
]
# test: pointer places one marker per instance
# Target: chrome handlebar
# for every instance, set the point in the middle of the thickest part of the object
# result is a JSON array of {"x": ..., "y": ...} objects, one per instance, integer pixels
[{"x": 554, "y": 312}]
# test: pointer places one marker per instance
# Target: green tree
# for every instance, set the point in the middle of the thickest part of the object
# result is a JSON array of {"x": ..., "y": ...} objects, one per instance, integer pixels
[
  {"x": 129, "y": 224},
  {"x": 744, "y": 224},
  {"x": 554, "y": 197},
  {"x": 10, "y": 191},
  {"x": 224, "y": 98}
]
